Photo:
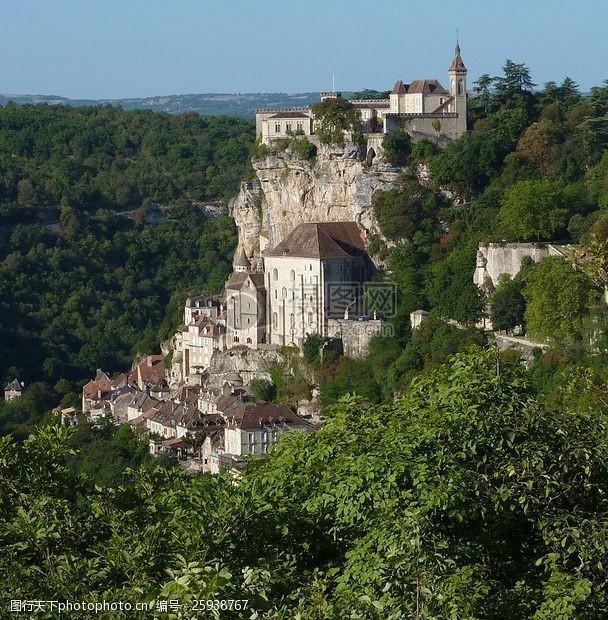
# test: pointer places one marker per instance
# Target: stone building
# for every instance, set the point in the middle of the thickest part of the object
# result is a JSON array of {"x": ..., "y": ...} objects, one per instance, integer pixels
[
  {"x": 245, "y": 304},
  {"x": 313, "y": 275},
  {"x": 252, "y": 427},
  {"x": 203, "y": 332},
  {"x": 13, "y": 390},
  {"x": 423, "y": 107},
  {"x": 496, "y": 259}
]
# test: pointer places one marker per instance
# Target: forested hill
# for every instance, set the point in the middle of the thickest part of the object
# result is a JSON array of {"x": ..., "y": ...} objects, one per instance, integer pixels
[
  {"x": 91, "y": 157},
  {"x": 229, "y": 104},
  {"x": 102, "y": 288}
]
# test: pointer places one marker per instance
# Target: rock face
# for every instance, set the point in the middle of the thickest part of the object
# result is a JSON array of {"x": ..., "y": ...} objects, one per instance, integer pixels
[{"x": 289, "y": 191}]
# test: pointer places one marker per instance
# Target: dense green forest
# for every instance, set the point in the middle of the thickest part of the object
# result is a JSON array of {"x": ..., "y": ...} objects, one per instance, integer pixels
[
  {"x": 100, "y": 288},
  {"x": 469, "y": 497},
  {"x": 103, "y": 290},
  {"x": 92, "y": 157}
]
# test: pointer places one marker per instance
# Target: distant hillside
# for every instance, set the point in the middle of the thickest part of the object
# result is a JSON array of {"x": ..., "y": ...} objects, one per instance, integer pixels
[{"x": 240, "y": 104}]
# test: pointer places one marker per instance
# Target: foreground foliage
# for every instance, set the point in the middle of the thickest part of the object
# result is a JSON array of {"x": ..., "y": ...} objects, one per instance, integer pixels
[{"x": 468, "y": 498}]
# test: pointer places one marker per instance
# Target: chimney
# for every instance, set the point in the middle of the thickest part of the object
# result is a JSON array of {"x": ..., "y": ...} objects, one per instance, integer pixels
[{"x": 149, "y": 360}]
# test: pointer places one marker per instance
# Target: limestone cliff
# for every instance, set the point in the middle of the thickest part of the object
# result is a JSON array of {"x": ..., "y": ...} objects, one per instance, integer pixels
[{"x": 288, "y": 191}]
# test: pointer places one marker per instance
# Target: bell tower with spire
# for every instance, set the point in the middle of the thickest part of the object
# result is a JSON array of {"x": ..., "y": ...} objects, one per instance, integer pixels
[{"x": 458, "y": 90}]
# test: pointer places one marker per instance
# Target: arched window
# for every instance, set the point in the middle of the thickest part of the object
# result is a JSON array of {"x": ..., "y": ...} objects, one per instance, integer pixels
[
  {"x": 292, "y": 275},
  {"x": 284, "y": 292},
  {"x": 292, "y": 319},
  {"x": 275, "y": 320},
  {"x": 275, "y": 274},
  {"x": 460, "y": 87}
]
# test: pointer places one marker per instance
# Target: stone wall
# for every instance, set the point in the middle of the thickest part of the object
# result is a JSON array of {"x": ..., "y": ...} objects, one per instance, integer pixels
[
  {"x": 355, "y": 335},
  {"x": 494, "y": 259},
  {"x": 421, "y": 125}
]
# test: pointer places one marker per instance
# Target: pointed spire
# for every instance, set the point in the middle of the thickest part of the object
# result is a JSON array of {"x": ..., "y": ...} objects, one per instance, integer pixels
[{"x": 457, "y": 63}]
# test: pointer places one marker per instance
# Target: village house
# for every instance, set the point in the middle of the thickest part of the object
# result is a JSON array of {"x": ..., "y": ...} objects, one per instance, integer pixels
[
  {"x": 422, "y": 107},
  {"x": 252, "y": 427},
  {"x": 148, "y": 372},
  {"x": 203, "y": 332},
  {"x": 102, "y": 390},
  {"x": 13, "y": 390}
]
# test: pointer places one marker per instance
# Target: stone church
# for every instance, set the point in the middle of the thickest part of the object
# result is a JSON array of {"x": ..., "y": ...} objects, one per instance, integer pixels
[
  {"x": 423, "y": 107},
  {"x": 315, "y": 274}
]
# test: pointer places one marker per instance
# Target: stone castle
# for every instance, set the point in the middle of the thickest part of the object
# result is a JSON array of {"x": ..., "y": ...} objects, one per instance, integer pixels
[{"x": 422, "y": 107}]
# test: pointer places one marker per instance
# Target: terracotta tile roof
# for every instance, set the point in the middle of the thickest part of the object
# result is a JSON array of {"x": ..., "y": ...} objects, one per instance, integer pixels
[
  {"x": 144, "y": 402},
  {"x": 322, "y": 240},
  {"x": 100, "y": 375},
  {"x": 428, "y": 87},
  {"x": 98, "y": 389},
  {"x": 399, "y": 88},
  {"x": 457, "y": 63},
  {"x": 237, "y": 280},
  {"x": 257, "y": 415},
  {"x": 150, "y": 369},
  {"x": 227, "y": 401}
]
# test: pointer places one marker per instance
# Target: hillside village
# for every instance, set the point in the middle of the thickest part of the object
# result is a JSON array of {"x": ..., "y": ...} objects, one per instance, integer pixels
[
  {"x": 315, "y": 279},
  {"x": 310, "y": 263},
  {"x": 342, "y": 360}
]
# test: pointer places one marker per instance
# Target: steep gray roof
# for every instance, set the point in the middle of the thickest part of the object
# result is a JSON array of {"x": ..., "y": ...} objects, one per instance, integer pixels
[
  {"x": 321, "y": 240},
  {"x": 15, "y": 384},
  {"x": 240, "y": 260}
]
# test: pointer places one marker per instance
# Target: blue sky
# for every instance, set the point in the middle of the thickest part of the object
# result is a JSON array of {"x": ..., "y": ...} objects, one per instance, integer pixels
[{"x": 135, "y": 48}]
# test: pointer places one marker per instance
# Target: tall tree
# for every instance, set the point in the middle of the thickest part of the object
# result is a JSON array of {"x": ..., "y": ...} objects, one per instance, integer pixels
[
  {"x": 535, "y": 209},
  {"x": 507, "y": 304},
  {"x": 558, "y": 299}
]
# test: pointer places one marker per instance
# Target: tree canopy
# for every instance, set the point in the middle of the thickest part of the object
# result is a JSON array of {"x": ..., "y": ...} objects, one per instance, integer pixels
[
  {"x": 92, "y": 157},
  {"x": 468, "y": 497}
]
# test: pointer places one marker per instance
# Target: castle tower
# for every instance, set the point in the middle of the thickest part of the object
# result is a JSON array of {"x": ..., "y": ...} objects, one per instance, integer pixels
[{"x": 458, "y": 89}]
